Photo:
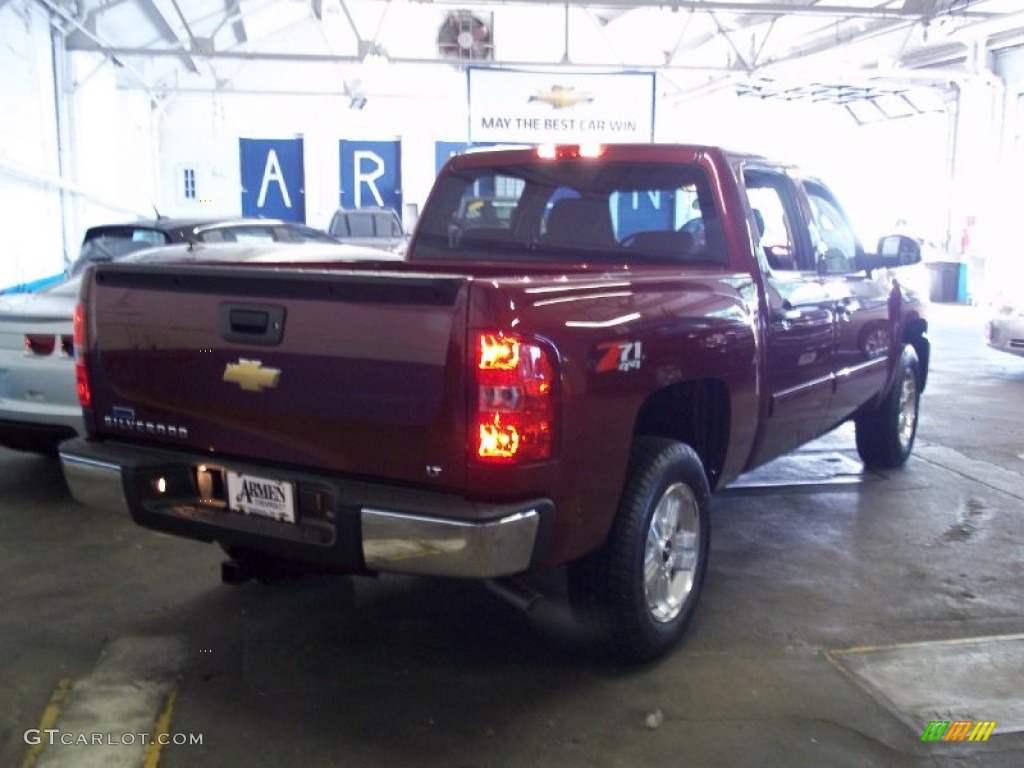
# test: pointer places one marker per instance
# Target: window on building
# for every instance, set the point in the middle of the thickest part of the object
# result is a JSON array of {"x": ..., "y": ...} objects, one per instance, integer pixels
[{"x": 190, "y": 183}]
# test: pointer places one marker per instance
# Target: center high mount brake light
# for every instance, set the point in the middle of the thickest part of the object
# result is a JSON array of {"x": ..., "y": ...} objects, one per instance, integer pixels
[{"x": 569, "y": 151}]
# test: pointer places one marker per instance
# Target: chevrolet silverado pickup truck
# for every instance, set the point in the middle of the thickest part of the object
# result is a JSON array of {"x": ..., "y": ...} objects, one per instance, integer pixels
[{"x": 564, "y": 387}]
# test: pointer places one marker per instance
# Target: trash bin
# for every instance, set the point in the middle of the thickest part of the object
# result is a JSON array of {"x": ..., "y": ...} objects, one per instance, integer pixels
[{"x": 944, "y": 280}]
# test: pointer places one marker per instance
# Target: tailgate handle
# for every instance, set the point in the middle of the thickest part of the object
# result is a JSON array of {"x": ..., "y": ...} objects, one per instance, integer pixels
[{"x": 251, "y": 323}]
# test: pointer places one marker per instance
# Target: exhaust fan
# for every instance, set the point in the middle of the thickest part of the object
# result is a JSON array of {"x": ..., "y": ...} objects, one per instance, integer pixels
[{"x": 465, "y": 36}]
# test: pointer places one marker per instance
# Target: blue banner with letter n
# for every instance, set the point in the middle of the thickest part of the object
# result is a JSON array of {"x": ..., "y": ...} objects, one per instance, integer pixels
[
  {"x": 273, "y": 179},
  {"x": 371, "y": 174},
  {"x": 649, "y": 209}
]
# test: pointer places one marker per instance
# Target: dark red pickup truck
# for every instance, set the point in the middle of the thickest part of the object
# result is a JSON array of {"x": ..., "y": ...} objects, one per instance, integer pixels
[{"x": 565, "y": 383}]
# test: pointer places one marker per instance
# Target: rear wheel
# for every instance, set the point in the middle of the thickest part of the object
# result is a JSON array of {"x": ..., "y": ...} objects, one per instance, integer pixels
[
  {"x": 885, "y": 434},
  {"x": 639, "y": 591}
]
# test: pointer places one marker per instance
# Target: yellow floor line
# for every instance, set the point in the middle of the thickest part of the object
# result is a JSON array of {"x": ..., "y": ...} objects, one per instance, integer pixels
[
  {"x": 163, "y": 726},
  {"x": 49, "y": 718}
]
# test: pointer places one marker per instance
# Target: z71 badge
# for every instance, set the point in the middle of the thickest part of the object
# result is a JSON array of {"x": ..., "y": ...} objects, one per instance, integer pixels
[{"x": 620, "y": 356}]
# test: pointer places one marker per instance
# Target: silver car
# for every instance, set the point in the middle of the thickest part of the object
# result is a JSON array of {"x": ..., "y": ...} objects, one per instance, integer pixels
[
  {"x": 1006, "y": 323},
  {"x": 376, "y": 227},
  {"x": 38, "y": 398},
  {"x": 38, "y": 403}
]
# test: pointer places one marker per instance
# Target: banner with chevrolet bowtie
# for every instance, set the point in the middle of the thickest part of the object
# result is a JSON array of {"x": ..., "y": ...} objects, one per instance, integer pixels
[{"x": 524, "y": 107}]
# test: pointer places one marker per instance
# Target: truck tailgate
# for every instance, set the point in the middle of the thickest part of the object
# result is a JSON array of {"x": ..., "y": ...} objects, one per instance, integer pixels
[{"x": 344, "y": 371}]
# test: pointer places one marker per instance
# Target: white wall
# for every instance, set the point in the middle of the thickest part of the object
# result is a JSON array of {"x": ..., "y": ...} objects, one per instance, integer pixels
[
  {"x": 126, "y": 149},
  {"x": 883, "y": 172},
  {"x": 202, "y": 129},
  {"x": 30, "y": 199},
  {"x": 1002, "y": 240},
  {"x": 113, "y": 156},
  {"x": 106, "y": 144}
]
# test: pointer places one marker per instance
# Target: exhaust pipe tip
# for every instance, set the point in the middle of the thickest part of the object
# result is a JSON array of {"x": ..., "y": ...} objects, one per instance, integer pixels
[
  {"x": 515, "y": 592},
  {"x": 233, "y": 572}
]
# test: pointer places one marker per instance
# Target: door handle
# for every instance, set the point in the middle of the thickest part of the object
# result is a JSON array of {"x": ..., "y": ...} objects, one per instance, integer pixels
[{"x": 261, "y": 324}]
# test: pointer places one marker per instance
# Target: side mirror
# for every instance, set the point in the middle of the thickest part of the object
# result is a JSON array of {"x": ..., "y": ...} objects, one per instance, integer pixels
[{"x": 898, "y": 251}]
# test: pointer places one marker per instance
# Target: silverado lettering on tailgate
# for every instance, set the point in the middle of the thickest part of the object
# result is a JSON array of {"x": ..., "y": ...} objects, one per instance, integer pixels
[{"x": 124, "y": 418}]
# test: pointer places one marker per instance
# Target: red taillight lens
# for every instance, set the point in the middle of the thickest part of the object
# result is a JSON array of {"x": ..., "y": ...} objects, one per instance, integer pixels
[
  {"x": 41, "y": 344},
  {"x": 515, "y": 408},
  {"x": 79, "y": 342}
]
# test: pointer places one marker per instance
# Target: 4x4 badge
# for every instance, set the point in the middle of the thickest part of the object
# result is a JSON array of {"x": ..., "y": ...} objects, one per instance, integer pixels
[{"x": 251, "y": 376}]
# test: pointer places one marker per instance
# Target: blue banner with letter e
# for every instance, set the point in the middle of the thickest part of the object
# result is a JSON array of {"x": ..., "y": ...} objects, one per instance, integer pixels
[{"x": 273, "y": 180}]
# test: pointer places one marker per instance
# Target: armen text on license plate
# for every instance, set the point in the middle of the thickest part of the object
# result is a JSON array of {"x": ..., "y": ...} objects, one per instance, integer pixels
[{"x": 261, "y": 497}]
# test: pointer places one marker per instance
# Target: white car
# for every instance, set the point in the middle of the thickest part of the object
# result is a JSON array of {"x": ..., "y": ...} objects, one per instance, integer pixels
[
  {"x": 1006, "y": 324},
  {"x": 38, "y": 399},
  {"x": 38, "y": 403}
]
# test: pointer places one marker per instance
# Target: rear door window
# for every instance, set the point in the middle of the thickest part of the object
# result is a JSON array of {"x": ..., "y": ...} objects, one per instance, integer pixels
[{"x": 774, "y": 212}]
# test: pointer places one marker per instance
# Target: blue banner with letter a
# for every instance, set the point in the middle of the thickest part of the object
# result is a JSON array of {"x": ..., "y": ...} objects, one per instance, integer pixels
[{"x": 273, "y": 180}]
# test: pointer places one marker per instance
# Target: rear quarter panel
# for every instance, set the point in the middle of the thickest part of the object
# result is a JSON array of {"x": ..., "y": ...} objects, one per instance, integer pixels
[{"x": 621, "y": 337}]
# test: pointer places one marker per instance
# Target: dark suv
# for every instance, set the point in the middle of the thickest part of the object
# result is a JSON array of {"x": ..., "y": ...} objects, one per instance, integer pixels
[{"x": 109, "y": 242}]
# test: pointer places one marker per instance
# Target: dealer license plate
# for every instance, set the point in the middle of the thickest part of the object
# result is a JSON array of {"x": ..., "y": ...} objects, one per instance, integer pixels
[{"x": 261, "y": 497}]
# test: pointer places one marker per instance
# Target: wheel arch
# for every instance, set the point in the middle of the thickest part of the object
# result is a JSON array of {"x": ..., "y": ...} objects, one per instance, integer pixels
[
  {"x": 915, "y": 333},
  {"x": 697, "y": 413}
]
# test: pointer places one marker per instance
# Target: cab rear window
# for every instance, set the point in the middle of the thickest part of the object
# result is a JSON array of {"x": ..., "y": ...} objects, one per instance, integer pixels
[{"x": 621, "y": 212}]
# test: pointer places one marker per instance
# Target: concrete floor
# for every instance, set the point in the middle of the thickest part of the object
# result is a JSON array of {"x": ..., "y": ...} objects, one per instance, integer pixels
[{"x": 789, "y": 662}]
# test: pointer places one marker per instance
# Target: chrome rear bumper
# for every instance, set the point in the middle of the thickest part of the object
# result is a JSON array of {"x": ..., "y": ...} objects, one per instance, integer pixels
[
  {"x": 94, "y": 483},
  {"x": 402, "y": 543},
  {"x": 367, "y": 527}
]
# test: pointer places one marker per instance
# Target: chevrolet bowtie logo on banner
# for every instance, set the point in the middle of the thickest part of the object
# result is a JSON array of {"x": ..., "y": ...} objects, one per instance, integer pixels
[
  {"x": 560, "y": 97},
  {"x": 251, "y": 376},
  {"x": 542, "y": 107}
]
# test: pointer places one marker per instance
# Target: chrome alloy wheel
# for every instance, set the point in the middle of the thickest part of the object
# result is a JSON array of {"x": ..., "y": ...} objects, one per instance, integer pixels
[
  {"x": 908, "y": 408},
  {"x": 876, "y": 344},
  {"x": 670, "y": 555}
]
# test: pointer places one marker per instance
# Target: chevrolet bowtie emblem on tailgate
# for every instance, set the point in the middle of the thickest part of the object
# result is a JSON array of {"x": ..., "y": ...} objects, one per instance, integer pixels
[{"x": 250, "y": 375}]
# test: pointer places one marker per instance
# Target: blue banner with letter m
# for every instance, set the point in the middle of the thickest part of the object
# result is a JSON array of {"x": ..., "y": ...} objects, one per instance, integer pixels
[{"x": 273, "y": 180}]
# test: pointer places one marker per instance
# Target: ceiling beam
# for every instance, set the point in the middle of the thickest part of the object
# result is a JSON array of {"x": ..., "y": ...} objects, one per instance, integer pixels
[
  {"x": 233, "y": 16},
  {"x": 100, "y": 45},
  {"x": 323, "y": 58},
  {"x": 958, "y": 9},
  {"x": 234, "y": 12},
  {"x": 166, "y": 31},
  {"x": 874, "y": 29},
  {"x": 740, "y": 56}
]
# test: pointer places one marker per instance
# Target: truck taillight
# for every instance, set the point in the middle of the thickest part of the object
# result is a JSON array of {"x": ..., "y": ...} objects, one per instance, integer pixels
[
  {"x": 515, "y": 404},
  {"x": 80, "y": 346}
]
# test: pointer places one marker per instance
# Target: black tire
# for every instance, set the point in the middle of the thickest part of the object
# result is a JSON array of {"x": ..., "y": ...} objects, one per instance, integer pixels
[
  {"x": 885, "y": 434},
  {"x": 641, "y": 615}
]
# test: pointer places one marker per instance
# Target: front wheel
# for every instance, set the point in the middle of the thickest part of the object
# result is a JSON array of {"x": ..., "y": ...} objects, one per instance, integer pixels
[
  {"x": 640, "y": 589},
  {"x": 885, "y": 434}
]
